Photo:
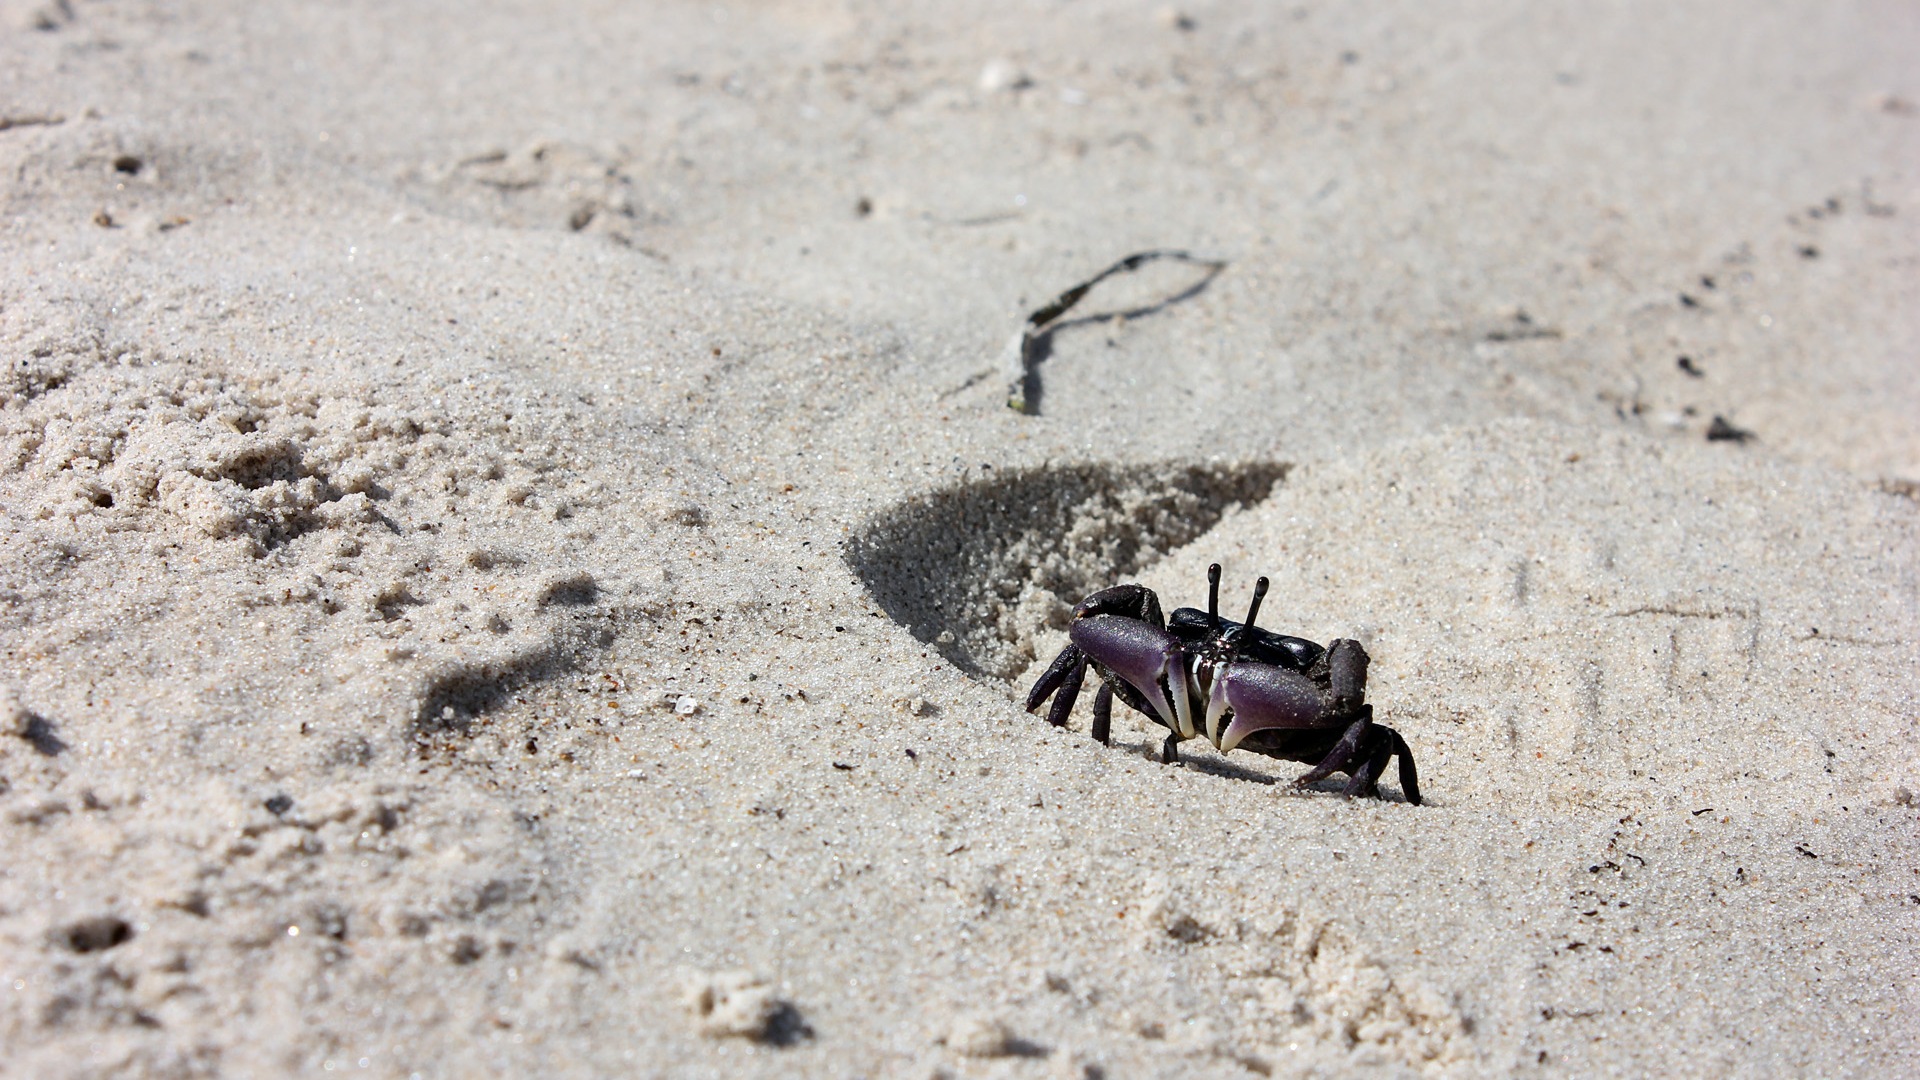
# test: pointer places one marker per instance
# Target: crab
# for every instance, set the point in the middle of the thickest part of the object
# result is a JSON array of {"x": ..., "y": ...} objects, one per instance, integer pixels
[{"x": 1237, "y": 685}]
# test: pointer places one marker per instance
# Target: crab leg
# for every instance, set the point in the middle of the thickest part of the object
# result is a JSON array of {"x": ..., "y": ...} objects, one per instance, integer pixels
[
  {"x": 1409, "y": 776},
  {"x": 1069, "y": 693},
  {"x": 1342, "y": 754},
  {"x": 1366, "y": 779},
  {"x": 1055, "y": 674}
]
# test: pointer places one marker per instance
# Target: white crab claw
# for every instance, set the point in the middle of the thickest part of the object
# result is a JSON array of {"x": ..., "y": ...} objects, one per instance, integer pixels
[
  {"x": 1157, "y": 698},
  {"x": 1182, "y": 701},
  {"x": 1216, "y": 705}
]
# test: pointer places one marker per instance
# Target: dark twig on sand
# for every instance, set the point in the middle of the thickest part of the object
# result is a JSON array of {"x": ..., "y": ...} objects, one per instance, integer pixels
[{"x": 1031, "y": 345}]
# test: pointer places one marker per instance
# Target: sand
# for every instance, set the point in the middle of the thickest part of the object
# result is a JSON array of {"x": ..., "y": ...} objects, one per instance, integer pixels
[{"x": 517, "y": 559}]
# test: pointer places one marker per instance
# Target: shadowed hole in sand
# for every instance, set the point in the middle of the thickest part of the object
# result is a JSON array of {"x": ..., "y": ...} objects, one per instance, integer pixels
[
  {"x": 40, "y": 735},
  {"x": 94, "y": 934},
  {"x": 466, "y": 691},
  {"x": 979, "y": 569},
  {"x": 459, "y": 694}
]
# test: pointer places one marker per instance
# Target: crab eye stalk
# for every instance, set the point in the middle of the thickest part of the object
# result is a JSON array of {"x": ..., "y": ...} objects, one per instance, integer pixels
[
  {"x": 1259, "y": 594},
  {"x": 1213, "y": 597}
]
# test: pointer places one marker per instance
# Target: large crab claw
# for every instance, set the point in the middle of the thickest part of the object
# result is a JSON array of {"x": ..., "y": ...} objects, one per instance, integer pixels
[
  {"x": 1147, "y": 657},
  {"x": 1261, "y": 697}
]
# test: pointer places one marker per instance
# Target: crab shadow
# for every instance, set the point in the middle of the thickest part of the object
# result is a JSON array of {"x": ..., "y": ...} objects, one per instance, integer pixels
[
  {"x": 979, "y": 569},
  {"x": 1199, "y": 759}
]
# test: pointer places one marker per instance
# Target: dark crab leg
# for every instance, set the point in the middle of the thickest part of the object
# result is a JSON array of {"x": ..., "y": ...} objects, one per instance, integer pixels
[
  {"x": 1055, "y": 674},
  {"x": 1103, "y": 714},
  {"x": 1366, "y": 779},
  {"x": 1341, "y": 756},
  {"x": 1409, "y": 777},
  {"x": 1133, "y": 601},
  {"x": 1069, "y": 693}
]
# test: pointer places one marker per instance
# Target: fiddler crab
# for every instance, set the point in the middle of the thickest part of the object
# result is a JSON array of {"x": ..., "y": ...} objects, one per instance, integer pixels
[{"x": 1238, "y": 685}]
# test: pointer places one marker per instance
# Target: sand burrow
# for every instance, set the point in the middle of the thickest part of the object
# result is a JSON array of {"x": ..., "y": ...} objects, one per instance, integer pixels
[{"x": 979, "y": 569}]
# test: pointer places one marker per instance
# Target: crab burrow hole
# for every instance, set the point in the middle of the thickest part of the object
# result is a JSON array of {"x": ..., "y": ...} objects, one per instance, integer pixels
[{"x": 979, "y": 570}]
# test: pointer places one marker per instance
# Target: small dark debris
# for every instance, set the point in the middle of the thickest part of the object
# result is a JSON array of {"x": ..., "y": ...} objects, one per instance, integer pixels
[
  {"x": 331, "y": 921},
  {"x": 911, "y": 756},
  {"x": 104, "y": 219},
  {"x": 1349, "y": 57},
  {"x": 843, "y": 766},
  {"x": 863, "y": 208},
  {"x": 39, "y": 734},
  {"x": 95, "y": 934},
  {"x": 1722, "y": 431},
  {"x": 839, "y": 629},
  {"x": 533, "y": 747},
  {"x": 1703, "y": 810},
  {"x": 1801, "y": 848},
  {"x": 127, "y": 163},
  {"x": 1808, "y": 251},
  {"x": 580, "y": 218},
  {"x": 466, "y": 950},
  {"x": 1686, "y": 364},
  {"x": 1522, "y": 328},
  {"x": 1706, "y": 281},
  {"x": 1688, "y": 301},
  {"x": 578, "y": 590},
  {"x": 279, "y": 804},
  {"x": 786, "y": 1026}
]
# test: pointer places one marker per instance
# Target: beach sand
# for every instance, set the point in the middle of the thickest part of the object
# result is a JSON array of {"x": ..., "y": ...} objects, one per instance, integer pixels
[{"x": 517, "y": 559}]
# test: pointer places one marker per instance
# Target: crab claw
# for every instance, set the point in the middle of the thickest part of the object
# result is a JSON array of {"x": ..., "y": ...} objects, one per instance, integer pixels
[
  {"x": 1216, "y": 702},
  {"x": 1147, "y": 657},
  {"x": 1262, "y": 697}
]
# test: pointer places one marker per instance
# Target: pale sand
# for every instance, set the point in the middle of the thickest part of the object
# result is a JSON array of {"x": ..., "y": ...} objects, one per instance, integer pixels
[{"x": 517, "y": 562}]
